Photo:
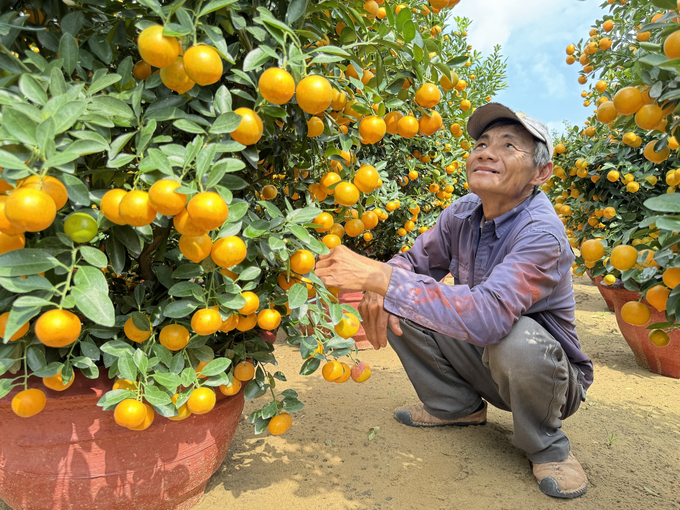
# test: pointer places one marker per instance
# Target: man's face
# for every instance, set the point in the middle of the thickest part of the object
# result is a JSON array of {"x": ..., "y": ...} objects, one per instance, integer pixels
[{"x": 501, "y": 162}]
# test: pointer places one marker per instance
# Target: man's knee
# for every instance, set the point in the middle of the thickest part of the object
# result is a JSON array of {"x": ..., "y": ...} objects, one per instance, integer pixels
[{"x": 527, "y": 344}]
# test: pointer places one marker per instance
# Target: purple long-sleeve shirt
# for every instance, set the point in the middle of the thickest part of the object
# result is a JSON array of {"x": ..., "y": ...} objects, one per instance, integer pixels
[{"x": 520, "y": 267}]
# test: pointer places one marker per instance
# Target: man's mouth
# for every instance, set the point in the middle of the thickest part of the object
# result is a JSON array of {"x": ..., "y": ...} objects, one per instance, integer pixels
[{"x": 485, "y": 170}]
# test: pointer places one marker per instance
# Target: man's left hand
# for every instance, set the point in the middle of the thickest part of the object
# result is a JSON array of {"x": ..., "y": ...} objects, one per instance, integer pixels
[{"x": 347, "y": 270}]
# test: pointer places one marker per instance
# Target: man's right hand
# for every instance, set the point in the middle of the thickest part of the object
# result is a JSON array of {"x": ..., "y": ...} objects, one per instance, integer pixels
[{"x": 376, "y": 320}]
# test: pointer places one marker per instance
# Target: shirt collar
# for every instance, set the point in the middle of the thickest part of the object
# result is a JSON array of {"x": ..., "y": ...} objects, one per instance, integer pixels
[{"x": 502, "y": 223}]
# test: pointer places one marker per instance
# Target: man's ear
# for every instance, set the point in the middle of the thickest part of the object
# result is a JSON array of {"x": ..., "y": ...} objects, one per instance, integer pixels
[{"x": 543, "y": 174}]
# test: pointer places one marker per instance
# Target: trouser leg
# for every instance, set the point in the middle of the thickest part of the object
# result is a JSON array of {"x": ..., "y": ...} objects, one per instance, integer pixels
[
  {"x": 447, "y": 374},
  {"x": 537, "y": 382},
  {"x": 526, "y": 373}
]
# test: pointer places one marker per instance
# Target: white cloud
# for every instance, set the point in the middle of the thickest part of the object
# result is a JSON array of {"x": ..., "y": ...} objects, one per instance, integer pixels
[
  {"x": 536, "y": 23},
  {"x": 493, "y": 21},
  {"x": 554, "y": 81}
]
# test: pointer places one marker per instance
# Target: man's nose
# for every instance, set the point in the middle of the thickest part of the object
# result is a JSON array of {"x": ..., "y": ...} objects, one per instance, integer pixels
[{"x": 488, "y": 152}]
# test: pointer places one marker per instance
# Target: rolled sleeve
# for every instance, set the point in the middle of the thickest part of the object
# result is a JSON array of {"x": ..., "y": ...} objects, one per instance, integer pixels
[{"x": 484, "y": 314}]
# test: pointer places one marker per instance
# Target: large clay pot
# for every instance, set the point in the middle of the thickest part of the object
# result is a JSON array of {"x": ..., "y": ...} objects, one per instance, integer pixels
[
  {"x": 660, "y": 360},
  {"x": 353, "y": 299},
  {"x": 605, "y": 291},
  {"x": 73, "y": 455}
]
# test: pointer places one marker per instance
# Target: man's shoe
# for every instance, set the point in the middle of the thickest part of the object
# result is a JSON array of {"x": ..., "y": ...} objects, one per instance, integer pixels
[
  {"x": 415, "y": 415},
  {"x": 564, "y": 479}
]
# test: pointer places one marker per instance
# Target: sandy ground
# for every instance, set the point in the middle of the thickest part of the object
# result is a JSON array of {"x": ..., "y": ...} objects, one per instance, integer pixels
[{"x": 626, "y": 435}]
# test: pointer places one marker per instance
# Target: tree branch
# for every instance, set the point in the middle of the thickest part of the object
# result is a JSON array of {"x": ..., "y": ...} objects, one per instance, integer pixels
[{"x": 145, "y": 258}]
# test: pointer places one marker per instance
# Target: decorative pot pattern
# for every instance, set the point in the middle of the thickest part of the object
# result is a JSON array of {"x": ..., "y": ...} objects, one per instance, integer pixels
[
  {"x": 73, "y": 455},
  {"x": 660, "y": 360}
]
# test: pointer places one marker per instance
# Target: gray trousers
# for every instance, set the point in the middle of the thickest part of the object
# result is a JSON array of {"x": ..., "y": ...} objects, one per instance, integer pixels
[{"x": 526, "y": 373}]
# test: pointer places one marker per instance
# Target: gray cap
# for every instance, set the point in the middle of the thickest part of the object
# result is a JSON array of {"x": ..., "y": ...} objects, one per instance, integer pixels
[{"x": 485, "y": 115}]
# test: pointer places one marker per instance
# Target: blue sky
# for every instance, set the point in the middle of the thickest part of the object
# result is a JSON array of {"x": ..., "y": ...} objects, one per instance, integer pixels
[{"x": 534, "y": 35}]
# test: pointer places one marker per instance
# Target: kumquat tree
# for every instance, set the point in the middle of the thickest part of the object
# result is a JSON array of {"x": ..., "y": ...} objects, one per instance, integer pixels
[
  {"x": 171, "y": 170},
  {"x": 615, "y": 181}
]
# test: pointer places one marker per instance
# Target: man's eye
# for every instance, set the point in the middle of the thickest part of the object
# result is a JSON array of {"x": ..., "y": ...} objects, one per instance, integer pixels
[{"x": 510, "y": 145}]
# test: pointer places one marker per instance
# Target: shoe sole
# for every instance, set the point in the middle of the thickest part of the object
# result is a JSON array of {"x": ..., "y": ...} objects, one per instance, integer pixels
[
  {"x": 550, "y": 488},
  {"x": 441, "y": 425}
]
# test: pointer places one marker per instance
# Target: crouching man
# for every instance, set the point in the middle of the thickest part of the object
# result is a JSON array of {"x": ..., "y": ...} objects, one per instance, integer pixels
[{"x": 504, "y": 334}]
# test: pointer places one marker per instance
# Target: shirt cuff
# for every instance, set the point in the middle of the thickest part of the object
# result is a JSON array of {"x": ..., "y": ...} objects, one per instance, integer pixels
[{"x": 400, "y": 263}]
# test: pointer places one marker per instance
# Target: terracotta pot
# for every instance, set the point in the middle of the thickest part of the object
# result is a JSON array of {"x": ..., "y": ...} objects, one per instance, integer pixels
[
  {"x": 660, "y": 360},
  {"x": 73, "y": 455},
  {"x": 353, "y": 299},
  {"x": 605, "y": 291}
]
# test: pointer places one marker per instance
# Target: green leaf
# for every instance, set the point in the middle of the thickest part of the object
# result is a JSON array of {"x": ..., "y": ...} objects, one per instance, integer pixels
[
  {"x": 300, "y": 232},
  {"x": 90, "y": 279},
  {"x": 117, "y": 348},
  {"x": 226, "y": 123},
  {"x": 48, "y": 371},
  {"x": 205, "y": 159},
  {"x": 254, "y": 389},
  {"x": 292, "y": 405},
  {"x": 160, "y": 161},
  {"x": 68, "y": 51},
  {"x": 180, "y": 309},
  {"x": 72, "y": 22},
  {"x": 296, "y": 9},
  {"x": 255, "y": 59},
  {"x": 95, "y": 306},
  {"x": 215, "y": 5},
  {"x": 664, "y": 203},
  {"x": 249, "y": 273},
  {"x": 111, "y": 106},
  {"x": 184, "y": 289},
  {"x": 127, "y": 367},
  {"x": 68, "y": 114},
  {"x": 89, "y": 348},
  {"x": 305, "y": 215},
  {"x": 30, "y": 88},
  {"x": 32, "y": 301},
  {"x": 111, "y": 398},
  {"x": 94, "y": 256},
  {"x": 10, "y": 161},
  {"x": 188, "y": 126},
  {"x": 216, "y": 366},
  {"x": 18, "y": 316},
  {"x": 169, "y": 380},
  {"x": 45, "y": 134},
  {"x": 237, "y": 211},
  {"x": 668, "y": 223},
  {"x": 61, "y": 158},
  {"x": 310, "y": 366},
  {"x": 20, "y": 126},
  {"x": 78, "y": 193},
  {"x": 187, "y": 271},
  {"x": 297, "y": 295},
  {"x": 26, "y": 261},
  {"x": 20, "y": 285},
  {"x": 35, "y": 357},
  {"x": 101, "y": 83}
]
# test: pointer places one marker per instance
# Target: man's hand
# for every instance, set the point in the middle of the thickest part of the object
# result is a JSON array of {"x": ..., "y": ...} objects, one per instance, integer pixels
[
  {"x": 376, "y": 320},
  {"x": 347, "y": 270}
]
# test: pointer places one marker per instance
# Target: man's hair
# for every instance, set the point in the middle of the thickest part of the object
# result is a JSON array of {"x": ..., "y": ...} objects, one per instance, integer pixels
[{"x": 541, "y": 155}]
